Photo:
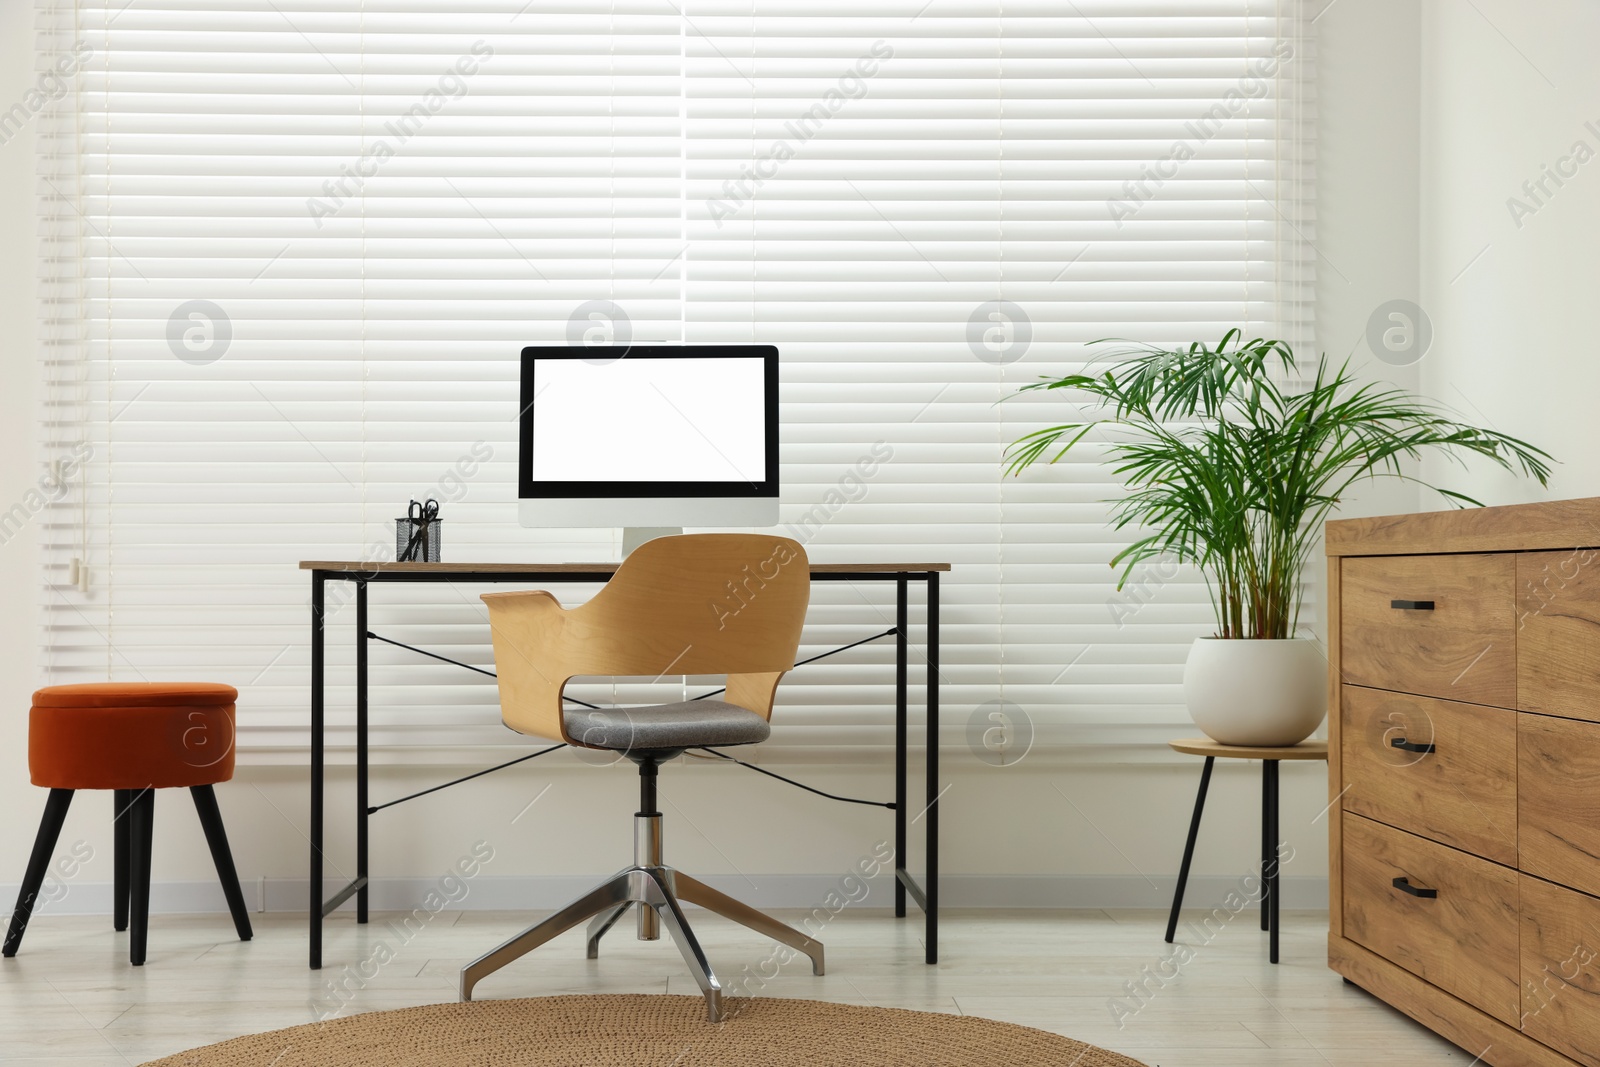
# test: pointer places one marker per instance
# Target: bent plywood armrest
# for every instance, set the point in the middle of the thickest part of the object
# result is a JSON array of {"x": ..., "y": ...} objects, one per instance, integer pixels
[{"x": 526, "y": 627}]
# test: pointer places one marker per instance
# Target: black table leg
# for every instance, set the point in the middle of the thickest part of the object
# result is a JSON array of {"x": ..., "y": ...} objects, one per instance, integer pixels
[
  {"x": 361, "y": 750},
  {"x": 318, "y": 584},
  {"x": 932, "y": 889},
  {"x": 141, "y": 833},
  {"x": 44, "y": 843},
  {"x": 1274, "y": 891},
  {"x": 120, "y": 843},
  {"x": 1266, "y": 844},
  {"x": 901, "y": 647},
  {"x": 1188, "y": 848}
]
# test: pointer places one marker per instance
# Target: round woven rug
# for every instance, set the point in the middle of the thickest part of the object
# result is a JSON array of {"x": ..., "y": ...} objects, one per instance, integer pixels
[{"x": 600, "y": 1031}]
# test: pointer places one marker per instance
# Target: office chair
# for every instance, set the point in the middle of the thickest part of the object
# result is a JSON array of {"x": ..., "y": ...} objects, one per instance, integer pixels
[{"x": 728, "y": 604}]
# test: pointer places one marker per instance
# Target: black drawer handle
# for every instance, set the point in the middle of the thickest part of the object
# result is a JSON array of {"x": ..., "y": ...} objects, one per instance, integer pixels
[
  {"x": 1411, "y": 605},
  {"x": 1409, "y": 746},
  {"x": 1404, "y": 885}
]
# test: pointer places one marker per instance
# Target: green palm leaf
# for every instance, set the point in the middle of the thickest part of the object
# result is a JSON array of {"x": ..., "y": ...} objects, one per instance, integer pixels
[{"x": 1232, "y": 467}]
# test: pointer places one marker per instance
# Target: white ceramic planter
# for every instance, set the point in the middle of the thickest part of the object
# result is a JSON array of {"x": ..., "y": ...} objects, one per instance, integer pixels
[{"x": 1256, "y": 692}]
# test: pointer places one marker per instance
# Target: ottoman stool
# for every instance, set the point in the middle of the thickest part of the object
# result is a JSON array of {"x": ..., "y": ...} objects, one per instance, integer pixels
[{"x": 132, "y": 738}]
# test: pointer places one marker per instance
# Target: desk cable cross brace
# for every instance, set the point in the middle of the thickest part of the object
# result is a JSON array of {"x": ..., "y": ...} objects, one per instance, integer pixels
[{"x": 890, "y": 632}]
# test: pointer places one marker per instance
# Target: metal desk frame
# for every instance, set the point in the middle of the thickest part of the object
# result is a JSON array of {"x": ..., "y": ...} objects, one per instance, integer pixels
[{"x": 363, "y": 574}]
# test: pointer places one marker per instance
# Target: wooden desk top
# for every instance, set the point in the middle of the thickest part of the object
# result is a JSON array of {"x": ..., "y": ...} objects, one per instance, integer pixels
[
  {"x": 390, "y": 567},
  {"x": 1204, "y": 746}
]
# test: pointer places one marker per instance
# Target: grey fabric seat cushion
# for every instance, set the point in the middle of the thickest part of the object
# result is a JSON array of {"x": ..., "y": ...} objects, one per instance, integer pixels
[{"x": 689, "y": 724}]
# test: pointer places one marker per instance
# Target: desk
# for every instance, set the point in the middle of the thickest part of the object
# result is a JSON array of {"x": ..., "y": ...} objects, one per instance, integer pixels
[{"x": 364, "y": 574}]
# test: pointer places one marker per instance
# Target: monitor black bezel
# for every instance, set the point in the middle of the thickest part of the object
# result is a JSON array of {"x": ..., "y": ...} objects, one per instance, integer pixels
[{"x": 528, "y": 489}]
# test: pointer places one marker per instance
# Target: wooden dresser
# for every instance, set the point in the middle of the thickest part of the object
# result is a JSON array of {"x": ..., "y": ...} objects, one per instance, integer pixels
[{"x": 1464, "y": 755}]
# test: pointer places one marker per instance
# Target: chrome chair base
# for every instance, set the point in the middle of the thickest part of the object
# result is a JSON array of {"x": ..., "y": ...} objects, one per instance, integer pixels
[{"x": 658, "y": 890}]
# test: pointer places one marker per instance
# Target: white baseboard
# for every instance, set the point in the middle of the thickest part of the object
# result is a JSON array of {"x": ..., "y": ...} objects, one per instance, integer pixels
[{"x": 543, "y": 892}]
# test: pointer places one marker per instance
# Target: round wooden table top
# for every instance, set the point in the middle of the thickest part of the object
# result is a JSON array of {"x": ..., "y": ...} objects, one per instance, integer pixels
[{"x": 1204, "y": 746}]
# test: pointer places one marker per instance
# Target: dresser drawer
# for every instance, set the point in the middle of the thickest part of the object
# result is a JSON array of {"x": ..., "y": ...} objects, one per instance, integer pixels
[
  {"x": 1462, "y": 793},
  {"x": 1561, "y": 969},
  {"x": 1558, "y": 800},
  {"x": 1463, "y": 940},
  {"x": 1442, "y": 626},
  {"x": 1558, "y": 633}
]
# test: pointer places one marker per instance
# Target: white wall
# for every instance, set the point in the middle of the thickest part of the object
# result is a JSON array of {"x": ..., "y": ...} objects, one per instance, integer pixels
[
  {"x": 1051, "y": 830},
  {"x": 19, "y": 417},
  {"x": 1368, "y": 186},
  {"x": 1367, "y": 173},
  {"x": 1508, "y": 88}
]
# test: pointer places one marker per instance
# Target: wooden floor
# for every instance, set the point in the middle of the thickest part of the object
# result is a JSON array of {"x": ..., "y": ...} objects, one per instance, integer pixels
[{"x": 70, "y": 997}]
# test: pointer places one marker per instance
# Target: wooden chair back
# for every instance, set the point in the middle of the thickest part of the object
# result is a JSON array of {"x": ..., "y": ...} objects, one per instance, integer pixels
[{"x": 726, "y": 604}]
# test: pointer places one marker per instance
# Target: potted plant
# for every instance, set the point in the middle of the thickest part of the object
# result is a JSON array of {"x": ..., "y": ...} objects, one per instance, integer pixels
[{"x": 1233, "y": 460}]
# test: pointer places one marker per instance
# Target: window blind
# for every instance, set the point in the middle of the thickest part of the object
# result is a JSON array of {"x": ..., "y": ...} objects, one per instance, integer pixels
[{"x": 292, "y": 251}]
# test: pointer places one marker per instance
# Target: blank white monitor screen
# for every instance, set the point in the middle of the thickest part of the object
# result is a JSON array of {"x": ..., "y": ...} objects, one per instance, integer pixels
[
  {"x": 648, "y": 436},
  {"x": 679, "y": 419}
]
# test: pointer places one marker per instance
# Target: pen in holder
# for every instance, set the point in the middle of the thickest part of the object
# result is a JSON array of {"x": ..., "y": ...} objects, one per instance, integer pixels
[{"x": 416, "y": 537}]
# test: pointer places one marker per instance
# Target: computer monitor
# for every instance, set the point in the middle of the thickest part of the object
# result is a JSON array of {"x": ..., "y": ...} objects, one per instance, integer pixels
[{"x": 650, "y": 438}]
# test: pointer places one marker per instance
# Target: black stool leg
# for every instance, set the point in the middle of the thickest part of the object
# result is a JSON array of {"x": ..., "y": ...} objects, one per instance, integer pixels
[
  {"x": 205, "y": 802},
  {"x": 1188, "y": 849},
  {"x": 121, "y": 798},
  {"x": 55, "y": 814},
  {"x": 1267, "y": 849},
  {"x": 142, "y": 814},
  {"x": 1270, "y": 875}
]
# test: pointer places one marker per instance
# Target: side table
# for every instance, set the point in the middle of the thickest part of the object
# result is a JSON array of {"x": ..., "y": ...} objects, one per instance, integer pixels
[{"x": 1269, "y": 757}]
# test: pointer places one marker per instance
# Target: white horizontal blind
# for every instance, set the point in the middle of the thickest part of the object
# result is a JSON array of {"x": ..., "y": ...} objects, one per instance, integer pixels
[{"x": 294, "y": 248}]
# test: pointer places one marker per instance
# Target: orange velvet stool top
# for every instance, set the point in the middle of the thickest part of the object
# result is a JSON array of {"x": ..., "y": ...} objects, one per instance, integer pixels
[{"x": 130, "y": 735}]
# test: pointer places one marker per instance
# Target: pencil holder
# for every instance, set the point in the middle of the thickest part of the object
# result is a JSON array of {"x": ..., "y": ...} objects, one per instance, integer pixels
[{"x": 417, "y": 536}]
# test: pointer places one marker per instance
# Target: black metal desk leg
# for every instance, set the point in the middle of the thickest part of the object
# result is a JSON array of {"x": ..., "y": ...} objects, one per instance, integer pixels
[
  {"x": 901, "y": 647},
  {"x": 1266, "y": 845},
  {"x": 318, "y": 583},
  {"x": 931, "y": 891},
  {"x": 1188, "y": 848},
  {"x": 361, "y": 750},
  {"x": 1269, "y": 770}
]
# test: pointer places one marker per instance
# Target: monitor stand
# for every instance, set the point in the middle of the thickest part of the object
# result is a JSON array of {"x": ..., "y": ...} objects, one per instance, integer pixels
[{"x": 634, "y": 536}]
